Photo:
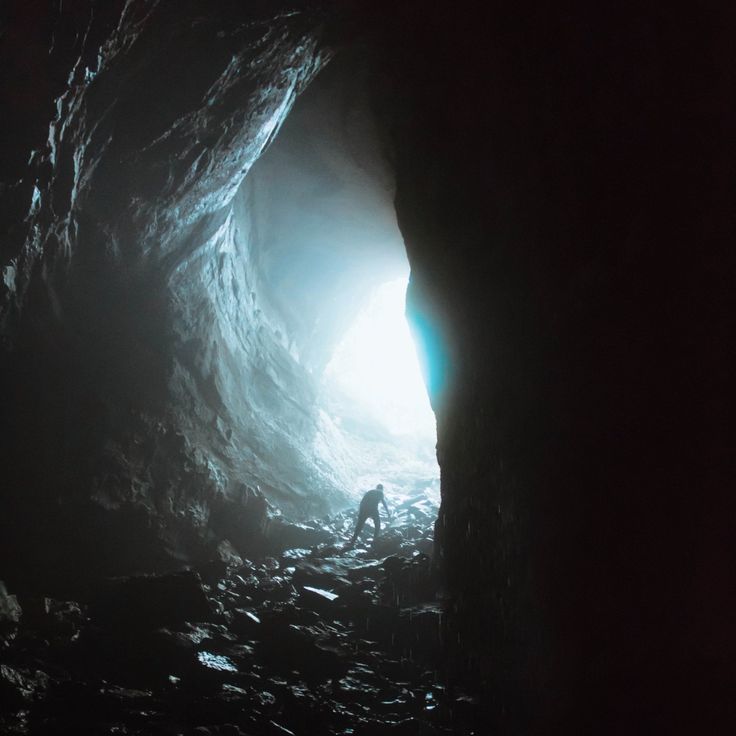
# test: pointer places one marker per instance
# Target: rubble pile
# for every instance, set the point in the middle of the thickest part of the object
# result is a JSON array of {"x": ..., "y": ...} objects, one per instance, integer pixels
[{"x": 315, "y": 640}]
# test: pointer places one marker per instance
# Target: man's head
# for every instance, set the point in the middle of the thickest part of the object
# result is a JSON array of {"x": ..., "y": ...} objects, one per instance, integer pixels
[{"x": 379, "y": 487}]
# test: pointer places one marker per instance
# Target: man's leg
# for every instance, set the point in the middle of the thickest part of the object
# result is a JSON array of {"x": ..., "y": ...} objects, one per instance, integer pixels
[
  {"x": 358, "y": 526},
  {"x": 376, "y": 525}
]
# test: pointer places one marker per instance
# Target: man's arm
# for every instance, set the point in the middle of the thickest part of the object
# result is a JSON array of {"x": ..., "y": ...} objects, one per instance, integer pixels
[{"x": 385, "y": 505}]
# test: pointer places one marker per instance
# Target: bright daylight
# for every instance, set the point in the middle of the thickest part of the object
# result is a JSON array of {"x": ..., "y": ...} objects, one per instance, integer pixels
[
  {"x": 376, "y": 365},
  {"x": 378, "y": 398}
]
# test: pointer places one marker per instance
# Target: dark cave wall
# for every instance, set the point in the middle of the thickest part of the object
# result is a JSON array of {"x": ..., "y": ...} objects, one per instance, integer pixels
[{"x": 562, "y": 202}]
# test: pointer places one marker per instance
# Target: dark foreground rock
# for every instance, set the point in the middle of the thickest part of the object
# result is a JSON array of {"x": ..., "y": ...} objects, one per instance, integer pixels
[{"x": 314, "y": 640}]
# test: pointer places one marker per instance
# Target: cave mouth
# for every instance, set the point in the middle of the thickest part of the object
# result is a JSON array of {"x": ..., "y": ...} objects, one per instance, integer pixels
[
  {"x": 374, "y": 392},
  {"x": 333, "y": 400},
  {"x": 215, "y": 263}
]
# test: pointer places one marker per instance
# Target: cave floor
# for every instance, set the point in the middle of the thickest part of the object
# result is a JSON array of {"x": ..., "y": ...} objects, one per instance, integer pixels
[{"x": 314, "y": 640}]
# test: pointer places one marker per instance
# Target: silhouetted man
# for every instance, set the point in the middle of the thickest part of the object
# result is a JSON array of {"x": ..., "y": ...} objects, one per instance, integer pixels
[{"x": 369, "y": 510}]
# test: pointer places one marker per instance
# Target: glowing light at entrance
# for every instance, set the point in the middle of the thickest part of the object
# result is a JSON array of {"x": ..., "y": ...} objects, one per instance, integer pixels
[{"x": 376, "y": 365}]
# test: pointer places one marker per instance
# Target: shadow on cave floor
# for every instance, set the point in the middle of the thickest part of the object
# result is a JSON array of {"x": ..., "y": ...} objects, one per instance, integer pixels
[{"x": 314, "y": 641}]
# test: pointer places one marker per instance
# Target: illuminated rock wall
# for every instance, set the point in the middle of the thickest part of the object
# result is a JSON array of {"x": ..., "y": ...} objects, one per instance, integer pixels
[{"x": 164, "y": 322}]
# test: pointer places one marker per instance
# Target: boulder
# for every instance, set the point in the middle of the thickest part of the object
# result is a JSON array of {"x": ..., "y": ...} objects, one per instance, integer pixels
[
  {"x": 10, "y": 610},
  {"x": 151, "y": 601},
  {"x": 20, "y": 687},
  {"x": 283, "y": 535}
]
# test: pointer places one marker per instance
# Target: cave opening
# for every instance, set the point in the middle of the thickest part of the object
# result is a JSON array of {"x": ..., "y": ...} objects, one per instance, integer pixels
[
  {"x": 375, "y": 392},
  {"x": 331, "y": 284}
]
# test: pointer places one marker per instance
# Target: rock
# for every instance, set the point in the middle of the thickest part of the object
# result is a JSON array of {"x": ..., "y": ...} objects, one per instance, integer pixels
[
  {"x": 419, "y": 632},
  {"x": 283, "y": 535},
  {"x": 216, "y": 662},
  {"x": 371, "y": 571},
  {"x": 318, "y": 599},
  {"x": 278, "y": 730},
  {"x": 230, "y": 729},
  {"x": 409, "y": 581},
  {"x": 275, "y": 589},
  {"x": 57, "y": 620},
  {"x": 388, "y": 543},
  {"x": 225, "y": 557},
  {"x": 320, "y": 593},
  {"x": 21, "y": 686},
  {"x": 10, "y": 615},
  {"x": 425, "y": 546},
  {"x": 355, "y": 599},
  {"x": 245, "y": 623},
  {"x": 309, "y": 649},
  {"x": 151, "y": 601},
  {"x": 10, "y": 610},
  {"x": 127, "y": 704},
  {"x": 298, "y": 553},
  {"x": 270, "y": 564},
  {"x": 329, "y": 574},
  {"x": 292, "y": 628},
  {"x": 306, "y": 643}
]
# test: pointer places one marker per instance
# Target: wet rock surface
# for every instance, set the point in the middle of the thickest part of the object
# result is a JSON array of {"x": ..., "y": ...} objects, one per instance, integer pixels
[{"x": 313, "y": 640}]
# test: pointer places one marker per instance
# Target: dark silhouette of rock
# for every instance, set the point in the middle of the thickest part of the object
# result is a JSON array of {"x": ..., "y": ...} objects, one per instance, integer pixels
[
  {"x": 300, "y": 641},
  {"x": 10, "y": 610},
  {"x": 150, "y": 601}
]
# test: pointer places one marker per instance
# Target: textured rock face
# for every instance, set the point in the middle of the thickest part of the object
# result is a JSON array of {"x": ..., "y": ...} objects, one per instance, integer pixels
[
  {"x": 154, "y": 386},
  {"x": 321, "y": 200},
  {"x": 165, "y": 317}
]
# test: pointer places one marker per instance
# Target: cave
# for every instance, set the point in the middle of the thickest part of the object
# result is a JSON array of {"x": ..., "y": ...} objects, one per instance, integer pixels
[{"x": 198, "y": 201}]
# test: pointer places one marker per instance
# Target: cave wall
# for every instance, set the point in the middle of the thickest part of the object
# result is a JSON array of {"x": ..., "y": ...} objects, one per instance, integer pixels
[
  {"x": 176, "y": 272},
  {"x": 152, "y": 389},
  {"x": 274, "y": 283},
  {"x": 323, "y": 203},
  {"x": 562, "y": 190}
]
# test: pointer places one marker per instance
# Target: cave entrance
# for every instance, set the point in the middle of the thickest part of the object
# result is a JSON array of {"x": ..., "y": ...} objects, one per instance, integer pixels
[
  {"x": 332, "y": 275},
  {"x": 374, "y": 391}
]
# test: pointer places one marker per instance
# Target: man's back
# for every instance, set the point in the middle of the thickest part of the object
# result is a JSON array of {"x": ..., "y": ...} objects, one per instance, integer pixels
[
  {"x": 369, "y": 510},
  {"x": 371, "y": 500}
]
